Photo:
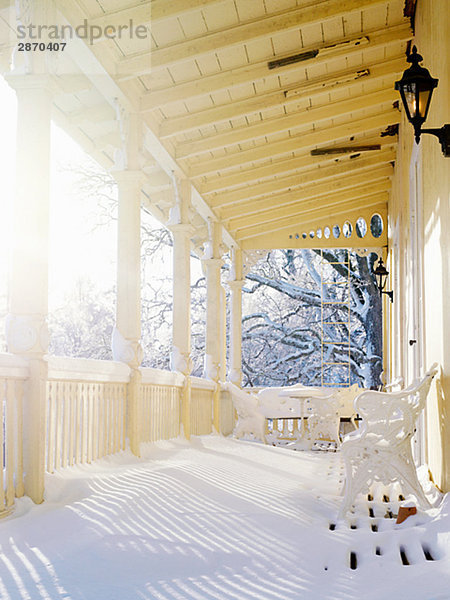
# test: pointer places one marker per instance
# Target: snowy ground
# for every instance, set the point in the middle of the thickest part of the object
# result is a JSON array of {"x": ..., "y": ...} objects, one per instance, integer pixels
[{"x": 216, "y": 519}]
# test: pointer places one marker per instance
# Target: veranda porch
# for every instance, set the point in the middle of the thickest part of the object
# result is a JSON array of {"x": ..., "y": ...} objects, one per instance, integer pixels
[{"x": 217, "y": 518}]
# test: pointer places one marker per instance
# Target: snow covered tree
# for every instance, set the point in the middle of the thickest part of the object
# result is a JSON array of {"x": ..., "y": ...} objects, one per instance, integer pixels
[{"x": 286, "y": 316}]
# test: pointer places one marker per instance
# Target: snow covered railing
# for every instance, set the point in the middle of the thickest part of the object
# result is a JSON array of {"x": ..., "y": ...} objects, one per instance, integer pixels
[
  {"x": 13, "y": 374},
  {"x": 202, "y": 399},
  {"x": 160, "y": 404},
  {"x": 86, "y": 410}
]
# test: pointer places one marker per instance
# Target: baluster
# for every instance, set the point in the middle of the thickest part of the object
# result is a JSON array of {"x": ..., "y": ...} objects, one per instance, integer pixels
[
  {"x": 9, "y": 427},
  {"x": 58, "y": 422},
  {"x": 72, "y": 427},
  {"x": 66, "y": 416},
  {"x": 50, "y": 428},
  {"x": 19, "y": 439},
  {"x": 2, "y": 439},
  {"x": 78, "y": 424}
]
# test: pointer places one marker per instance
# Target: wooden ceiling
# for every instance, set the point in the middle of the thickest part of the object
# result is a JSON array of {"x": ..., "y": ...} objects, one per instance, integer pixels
[{"x": 280, "y": 112}]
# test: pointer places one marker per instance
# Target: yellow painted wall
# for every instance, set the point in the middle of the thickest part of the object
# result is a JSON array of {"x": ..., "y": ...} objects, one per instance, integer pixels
[{"x": 432, "y": 38}]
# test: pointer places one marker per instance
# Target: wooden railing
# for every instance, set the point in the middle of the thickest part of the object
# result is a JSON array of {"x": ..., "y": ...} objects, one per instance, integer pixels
[
  {"x": 160, "y": 405},
  {"x": 202, "y": 397},
  {"x": 86, "y": 410},
  {"x": 13, "y": 374}
]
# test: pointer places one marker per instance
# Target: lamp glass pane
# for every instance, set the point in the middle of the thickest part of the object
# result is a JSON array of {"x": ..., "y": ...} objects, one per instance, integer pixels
[
  {"x": 410, "y": 102},
  {"x": 424, "y": 102}
]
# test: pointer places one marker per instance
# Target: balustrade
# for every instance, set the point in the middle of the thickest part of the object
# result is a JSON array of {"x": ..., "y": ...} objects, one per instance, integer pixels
[{"x": 13, "y": 375}]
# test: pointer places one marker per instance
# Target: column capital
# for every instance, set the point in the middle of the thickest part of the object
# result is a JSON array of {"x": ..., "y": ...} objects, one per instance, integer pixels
[
  {"x": 30, "y": 81},
  {"x": 235, "y": 284},
  {"x": 212, "y": 262},
  {"x": 128, "y": 177},
  {"x": 185, "y": 228}
]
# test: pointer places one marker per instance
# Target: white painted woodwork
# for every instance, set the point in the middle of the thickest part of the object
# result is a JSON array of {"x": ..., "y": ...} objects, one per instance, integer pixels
[
  {"x": 201, "y": 410},
  {"x": 286, "y": 122},
  {"x": 255, "y": 72},
  {"x": 285, "y": 166},
  {"x": 348, "y": 79},
  {"x": 181, "y": 310},
  {"x": 290, "y": 233},
  {"x": 372, "y": 197},
  {"x": 364, "y": 163},
  {"x": 235, "y": 284},
  {"x": 161, "y": 409},
  {"x": 292, "y": 19},
  {"x": 28, "y": 303},
  {"x": 302, "y": 143},
  {"x": 13, "y": 373},
  {"x": 295, "y": 202},
  {"x": 181, "y": 307},
  {"x": 212, "y": 263},
  {"x": 128, "y": 312}
]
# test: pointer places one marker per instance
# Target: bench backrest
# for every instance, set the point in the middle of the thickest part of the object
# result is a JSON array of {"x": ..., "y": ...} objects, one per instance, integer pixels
[{"x": 388, "y": 418}]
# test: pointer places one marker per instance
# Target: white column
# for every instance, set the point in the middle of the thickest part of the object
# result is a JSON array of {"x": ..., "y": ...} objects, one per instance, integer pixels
[
  {"x": 214, "y": 316},
  {"x": 180, "y": 359},
  {"x": 235, "y": 283},
  {"x": 212, "y": 264},
  {"x": 126, "y": 338},
  {"x": 26, "y": 327}
]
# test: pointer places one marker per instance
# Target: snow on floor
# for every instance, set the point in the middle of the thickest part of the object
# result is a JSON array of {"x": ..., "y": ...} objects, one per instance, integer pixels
[{"x": 216, "y": 519}]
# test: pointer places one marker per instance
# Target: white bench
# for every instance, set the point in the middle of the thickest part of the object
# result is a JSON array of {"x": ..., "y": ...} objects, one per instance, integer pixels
[
  {"x": 314, "y": 418},
  {"x": 380, "y": 450}
]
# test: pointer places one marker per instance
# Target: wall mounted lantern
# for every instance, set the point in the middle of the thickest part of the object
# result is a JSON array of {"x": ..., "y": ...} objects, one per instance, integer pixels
[
  {"x": 381, "y": 275},
  {"x": 416, "y": 88}
]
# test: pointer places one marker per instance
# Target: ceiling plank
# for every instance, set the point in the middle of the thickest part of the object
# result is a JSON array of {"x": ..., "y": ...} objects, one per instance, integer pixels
[
  {"x": 293, "y": 120},
  {"x": 263, "y": 210},
  {"x": 282, "y": 167},
  {"x": 302, "y": 142},
  {"x": 299, "y": 212},
  {"x": 348, "y": 79},
  {"x": 258, "y": 70},
  {"x": 290, "y": 235},
  {"x": 360, "y": 163},
  {"x": 140, "y": 15},
  {"x": 333, "y": 212},
  {"x": 243, "y": 33},
  {"x": 151, "y": 11}
]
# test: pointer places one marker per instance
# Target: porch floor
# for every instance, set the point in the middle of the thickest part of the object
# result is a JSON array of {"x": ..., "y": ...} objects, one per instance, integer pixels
[{"x": 217, "y": 519}]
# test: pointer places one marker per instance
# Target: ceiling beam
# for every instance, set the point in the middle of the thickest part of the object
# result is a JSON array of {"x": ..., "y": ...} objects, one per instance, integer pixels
[
  {"x": 192, "y": 48},
  {"x": 316, "y": 175},
  {"x": 275, "y": 207},
  {"x": 303, "y": 142},
  {"x": 162, "y": 9},
  {"x": 96, "y": 113},
  {"x": 282, "y": 167},
  {"x": 307, "y": 212},
  {"x": 348, "y": 79},
  {"x": 291, "y": 235},
  {"x": 257, "y": 71},
  {"x": 333, "y": 213},
  {"x": 293, "y": 120},
  {"x": 140, "y": 14}
]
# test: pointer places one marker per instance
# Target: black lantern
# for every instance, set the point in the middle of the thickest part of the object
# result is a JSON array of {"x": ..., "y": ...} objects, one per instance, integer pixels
[
  {"x": 381, "y": 275},
  {"x": 416, "y": 89}
]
